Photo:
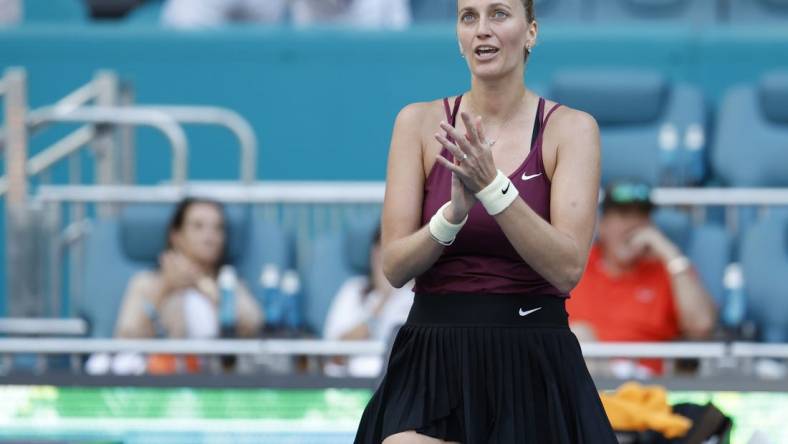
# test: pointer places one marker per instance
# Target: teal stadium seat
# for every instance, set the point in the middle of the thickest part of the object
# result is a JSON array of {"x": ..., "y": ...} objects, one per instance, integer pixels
[
  {"x": 758, "y": 11},
  {"x": 652, "y": 129},
  {"x": 764, "y": 260},
  {"x": 752, "y": 129},
  {"x": 55, "y": 11},
  {"x": 668, "y": 11},
  {"x": 334, "y": 258},
  {"x": 431, "y": 11},
  {"x": 119, "y": 247}
]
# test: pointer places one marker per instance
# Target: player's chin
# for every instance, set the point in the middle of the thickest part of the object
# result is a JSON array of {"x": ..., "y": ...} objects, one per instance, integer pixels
[{"x": 489, "y": 71}]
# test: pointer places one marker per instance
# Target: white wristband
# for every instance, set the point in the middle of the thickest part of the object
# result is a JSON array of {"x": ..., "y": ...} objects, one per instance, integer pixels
[
  {"x": 442, "y": 230},
  {"x": 498, "y": 195},
  {"x": 678, "y": 265}
]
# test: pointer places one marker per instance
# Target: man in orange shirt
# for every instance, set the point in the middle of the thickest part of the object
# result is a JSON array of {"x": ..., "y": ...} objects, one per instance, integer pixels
[{"x": 637, "y": 286}]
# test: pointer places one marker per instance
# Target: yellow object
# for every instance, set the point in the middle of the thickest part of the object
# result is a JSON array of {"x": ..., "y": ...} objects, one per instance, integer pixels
[{"x": 634, "y": 407}]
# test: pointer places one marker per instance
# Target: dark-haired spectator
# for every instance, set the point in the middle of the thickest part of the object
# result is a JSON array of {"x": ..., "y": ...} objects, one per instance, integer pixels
[{"x": 181, "y": 298}]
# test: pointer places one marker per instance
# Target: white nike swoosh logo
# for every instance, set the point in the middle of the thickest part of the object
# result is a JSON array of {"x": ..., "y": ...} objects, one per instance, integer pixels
[
  {"x": 527, "y": 177},
  {"x": 526, "y": 313}
]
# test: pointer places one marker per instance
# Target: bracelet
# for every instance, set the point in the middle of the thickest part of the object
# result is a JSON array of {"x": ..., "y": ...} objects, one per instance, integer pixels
[
  {"x": 498, "y": 195},
  {"x": 443, "y": 231},
  {"x": 678, "y": 265}
]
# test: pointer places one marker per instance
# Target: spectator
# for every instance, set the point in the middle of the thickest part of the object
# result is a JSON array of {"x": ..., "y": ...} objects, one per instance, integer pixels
[
  {"x": 181, "y": 298},
  {"x": 366, "y": 307},
  {"x": 637, "y": 285},
  {"x": 213, "y": 13}
]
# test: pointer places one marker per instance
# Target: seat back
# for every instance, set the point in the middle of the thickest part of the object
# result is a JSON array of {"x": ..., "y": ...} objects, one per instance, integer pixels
[
  {"x": 764, "y": 260},
  {"x": 651, "y": 129},
  {"x": 334, "y": 258},
  {"x": 752, "y": 130}
]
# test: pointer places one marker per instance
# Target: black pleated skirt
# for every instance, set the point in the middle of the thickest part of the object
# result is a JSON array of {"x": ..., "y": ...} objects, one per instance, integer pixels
[{"x": 487, "y": 369}]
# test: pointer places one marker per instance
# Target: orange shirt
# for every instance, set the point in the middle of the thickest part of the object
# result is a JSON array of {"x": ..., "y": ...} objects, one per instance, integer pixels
[{"x": 636, "y": 306}]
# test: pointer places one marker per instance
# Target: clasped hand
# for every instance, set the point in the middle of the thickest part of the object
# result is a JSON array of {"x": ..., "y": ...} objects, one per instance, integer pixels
[{"x": 473, "y": 167}]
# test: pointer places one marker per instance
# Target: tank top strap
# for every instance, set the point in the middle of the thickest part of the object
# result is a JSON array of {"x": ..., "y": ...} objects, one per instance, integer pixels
[
  {"x": 549, "y": 113},
  {"x": 540, "y": 137},
  {"x": 451, "y": 114}
]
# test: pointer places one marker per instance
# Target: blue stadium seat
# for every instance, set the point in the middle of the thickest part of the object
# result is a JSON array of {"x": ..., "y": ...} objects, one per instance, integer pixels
[
  {"x": 334, "y": 258},
  {"x": 708, "y": 246},
  {"x": 683, "y": 11},
  {"x": 751, "y": 132},
  {"x": 652, "y": 129},
  {"x": 118, "y": 248},
  {"x": 764, "y": 259},
  {"x": 758, "y": 11},
  {"x": 430, "y": 11},
  {"x": 50, "y": 11}
]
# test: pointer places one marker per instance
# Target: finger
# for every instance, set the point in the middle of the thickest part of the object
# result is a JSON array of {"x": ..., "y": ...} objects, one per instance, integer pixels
[
  {"x": 456, "y": 169},
  {"x": 455, "y": 151},
  {"x": 459, "y": 138},
  {"x": 470, "y": 128},
  {"x": 480, "y": 131}
]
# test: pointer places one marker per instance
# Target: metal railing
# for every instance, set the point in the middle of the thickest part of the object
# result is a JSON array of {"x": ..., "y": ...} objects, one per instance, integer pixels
[
  {"x": 105, "y": 106},
  {"x": 43, "y": 327}
]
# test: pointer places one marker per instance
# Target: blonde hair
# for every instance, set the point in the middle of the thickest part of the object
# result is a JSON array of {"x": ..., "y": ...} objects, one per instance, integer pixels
[{"x": 529, "y": 10}]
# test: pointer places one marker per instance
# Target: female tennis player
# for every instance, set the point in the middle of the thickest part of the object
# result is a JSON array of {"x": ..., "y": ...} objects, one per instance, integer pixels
[{"x": 490, "y": 204}]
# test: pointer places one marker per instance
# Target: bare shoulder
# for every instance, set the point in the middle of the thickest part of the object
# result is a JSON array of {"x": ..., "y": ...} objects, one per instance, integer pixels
[
  {"x": 571, "y": 125},
  {"x": 419, "y": 115}
]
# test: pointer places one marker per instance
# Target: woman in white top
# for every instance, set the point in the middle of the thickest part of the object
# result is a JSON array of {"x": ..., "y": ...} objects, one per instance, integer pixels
[{"x": 366, "y": 307}]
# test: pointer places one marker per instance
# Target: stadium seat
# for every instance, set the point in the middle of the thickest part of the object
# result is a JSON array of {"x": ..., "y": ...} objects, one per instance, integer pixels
[
  {"x": 708, "y": 246},
  {"x": 117, "y": 248},
  {"x": 758, "y": 11},
  {"x": 334, "y": 258},
  {"x": 751, "y": 132},
  {"x": 431, "y": 11},
  {"x": 764, "y": 259},
  {"x": 652, "y": 129},
  {"x": 60, "y": 11},
  {"x": 673, "y": 11}
]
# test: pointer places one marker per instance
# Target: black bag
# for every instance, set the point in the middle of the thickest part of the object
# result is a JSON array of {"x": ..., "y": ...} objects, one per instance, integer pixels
[{"x": 709, "y": 426}]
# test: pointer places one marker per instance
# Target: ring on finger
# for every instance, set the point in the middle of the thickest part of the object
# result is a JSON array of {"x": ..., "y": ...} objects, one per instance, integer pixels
[{"x": 464, "y": 157}]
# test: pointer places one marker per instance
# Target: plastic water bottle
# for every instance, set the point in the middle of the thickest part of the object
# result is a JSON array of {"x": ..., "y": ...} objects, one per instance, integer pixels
[
  {"x": 668, "y": 155},
  {"x": 270, "y": 277},
  {"x": 228, "y": 315},
  {"x": 290, "y": 289},
  {"x": 735, "y": 301},
  {"x": 694, "y": 142}
]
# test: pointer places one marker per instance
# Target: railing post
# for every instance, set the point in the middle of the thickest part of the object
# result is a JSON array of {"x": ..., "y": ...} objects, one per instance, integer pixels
[
  {"x": 107, "y": 159},
  {"x": 22, "y": 289}
]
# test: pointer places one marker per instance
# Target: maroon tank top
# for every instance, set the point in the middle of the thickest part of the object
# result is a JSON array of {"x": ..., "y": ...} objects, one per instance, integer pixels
[{"x": 482, "y": 260}]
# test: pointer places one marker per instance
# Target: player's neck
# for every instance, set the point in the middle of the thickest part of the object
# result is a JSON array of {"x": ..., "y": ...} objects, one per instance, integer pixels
[{"x": 497, "y": 99}]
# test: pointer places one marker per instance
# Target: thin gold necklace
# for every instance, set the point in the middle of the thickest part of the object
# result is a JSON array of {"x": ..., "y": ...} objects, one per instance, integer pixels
[{"x": 505, "y": 123}]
